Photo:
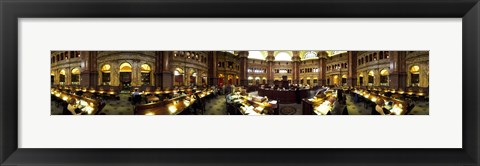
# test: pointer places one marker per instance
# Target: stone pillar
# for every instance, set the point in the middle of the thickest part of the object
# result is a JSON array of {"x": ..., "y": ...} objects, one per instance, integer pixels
[
  {"x": 352, "y": 69},
  {"x": 68, "y": 75},
  {"x": 163, "y": 74},
  {"x": 322, "y": 65},
  {"x": 296, "y": 60},
  {"x": 115, "y": 74},
  {"x": 270, "y": 62},
  {"x": 135, "y": 73},
  {"x": 212, "y": 68},
  {"x": 88, "y": 69},
  {"x": 56, "y": 79},
  {"x": 243, "y": 67},
  {"x": 423, "y": 75},
  {"x": 398, "y": 71}
]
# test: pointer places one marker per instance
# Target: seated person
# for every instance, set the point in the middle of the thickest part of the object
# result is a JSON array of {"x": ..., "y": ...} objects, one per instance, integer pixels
[
  {"x": 136, "y": 97},
  {"x": 73, "y": 108},
  {"x": 380, "y": 110},
  {"x": 135, "y": 92},
  {"x": 307, "y": 86},
  {"x": 230, "y": 98}
]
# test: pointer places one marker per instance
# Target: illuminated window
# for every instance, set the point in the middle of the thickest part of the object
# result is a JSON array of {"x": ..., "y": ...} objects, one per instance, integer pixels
[
  {"x": 371, "y": 78},
  {"x": 257, "y": 55},
  {"x": 384, "y": 77},
  {"x": 310, "y": 55},
  {"x": 146, "y": 72},
  {"x": 75, "y": 76},
  {"x": 283, "y": 56},
  {"x": 62, "y": 77},
  {"x": 178, "y": 76},
  {"x": 360, "y": 80},
  {"x": 125, "y": 67},
  {"x": 414, "y": 75},
  {"x": 344, "y": 80},
  {"x": 105, "y": 70}
]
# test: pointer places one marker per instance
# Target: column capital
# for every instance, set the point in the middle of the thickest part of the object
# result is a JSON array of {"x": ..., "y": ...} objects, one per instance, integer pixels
[
  {"x": 270, "y": 56},
  {"x": 243, "y": 54},
  {"x": 322, "y": 54}
]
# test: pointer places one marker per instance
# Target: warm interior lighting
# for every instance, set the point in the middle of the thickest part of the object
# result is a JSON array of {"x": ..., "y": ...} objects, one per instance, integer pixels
[
  {"x": 89, "y": 109},
  {"x": 172, "y": 109},
  {"x": 415, "y": 70},
  {"x": 76, "y": 71},
  {"x": 125, "y": 67},
  {"x": 106, "y": 68},
  {"x": 150, "y": 113},
  {"x": 145, "y": 68}
]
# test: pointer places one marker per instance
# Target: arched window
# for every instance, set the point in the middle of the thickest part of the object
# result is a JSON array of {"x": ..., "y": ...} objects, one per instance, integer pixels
[
  {"x": 344, "y": 80},
  {"x": 62, "y": 77},
  {"x": 250, "y": 80},
  {"x": 204, "y": 79},
  {"x": 256, "y": 55},
  {"x": 384, "y": 77},
  {"x": 75, "y": 76},
  {"x": 414, "y": 75},
  {"x": 178, "y": 74},
  {"x": 310, "y": 55},
  {"x": 105, "y": 70},
  {"x": 145, "y": 70},
  {"x": 283, "y": 56},
  {"x": 125, "y": 67},
  {"x": 335, "y": 80},
  {"x": 126, "y": 75},
  {"x": 371, "y": 78}
]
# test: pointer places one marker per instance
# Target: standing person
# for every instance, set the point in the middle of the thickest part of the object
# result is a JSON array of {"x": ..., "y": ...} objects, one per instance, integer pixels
[
  {"x": 232, "y": 88},
  {"x": 199, "y": 104},
  {"x": 214, "y": 88},
  {"x": 223, "y": 89}
]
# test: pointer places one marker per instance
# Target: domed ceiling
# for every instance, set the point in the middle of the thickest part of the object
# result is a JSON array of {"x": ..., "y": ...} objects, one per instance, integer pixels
[{"x": 287, "y": 55}]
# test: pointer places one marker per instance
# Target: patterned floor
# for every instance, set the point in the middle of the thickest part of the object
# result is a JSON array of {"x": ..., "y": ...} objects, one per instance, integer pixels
[{"x": 217, "y": 106}]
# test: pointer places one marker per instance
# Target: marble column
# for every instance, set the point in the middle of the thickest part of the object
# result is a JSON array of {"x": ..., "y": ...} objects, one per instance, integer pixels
[
  {"x": 56, "y": 79},
  {"x": 322, "y": 65},
  {"x": 115, "y": 74},
  {"x": 136, "y": 73},
  {"x": 163, "y": 73},
  {"x": 296, "y": 60},
  {"x": 352, "y": 69},
  {"x": 270, "y": 62},
  {"x": 88, "y": 69},
  {"x": 212, "y": 68},
  {"x": 398, "y": 71},
  {"x": 243, "y": 67},
  {"x": 423, "y": 75},
  {"x": 68, "y": 75}
]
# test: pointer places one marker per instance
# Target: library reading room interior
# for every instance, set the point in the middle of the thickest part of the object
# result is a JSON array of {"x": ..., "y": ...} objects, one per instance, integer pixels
[{"x": 239, "y": 82}]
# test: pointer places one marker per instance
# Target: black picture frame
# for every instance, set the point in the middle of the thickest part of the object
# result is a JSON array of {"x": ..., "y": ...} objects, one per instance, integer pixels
[{"x": 11, "y": 10}]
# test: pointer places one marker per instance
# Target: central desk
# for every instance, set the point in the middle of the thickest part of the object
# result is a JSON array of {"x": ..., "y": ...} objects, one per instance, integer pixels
[{"x": 285, "y": 96}]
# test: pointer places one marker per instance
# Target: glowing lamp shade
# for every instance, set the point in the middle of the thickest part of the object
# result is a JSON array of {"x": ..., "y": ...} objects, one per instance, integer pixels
[
  {"x": 149, "y": 113},
  {"x": 172, "y": 109}
]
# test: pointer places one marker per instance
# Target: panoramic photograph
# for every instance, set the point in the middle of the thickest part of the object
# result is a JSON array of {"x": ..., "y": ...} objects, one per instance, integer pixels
[{"x": 265, "y": 82}]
